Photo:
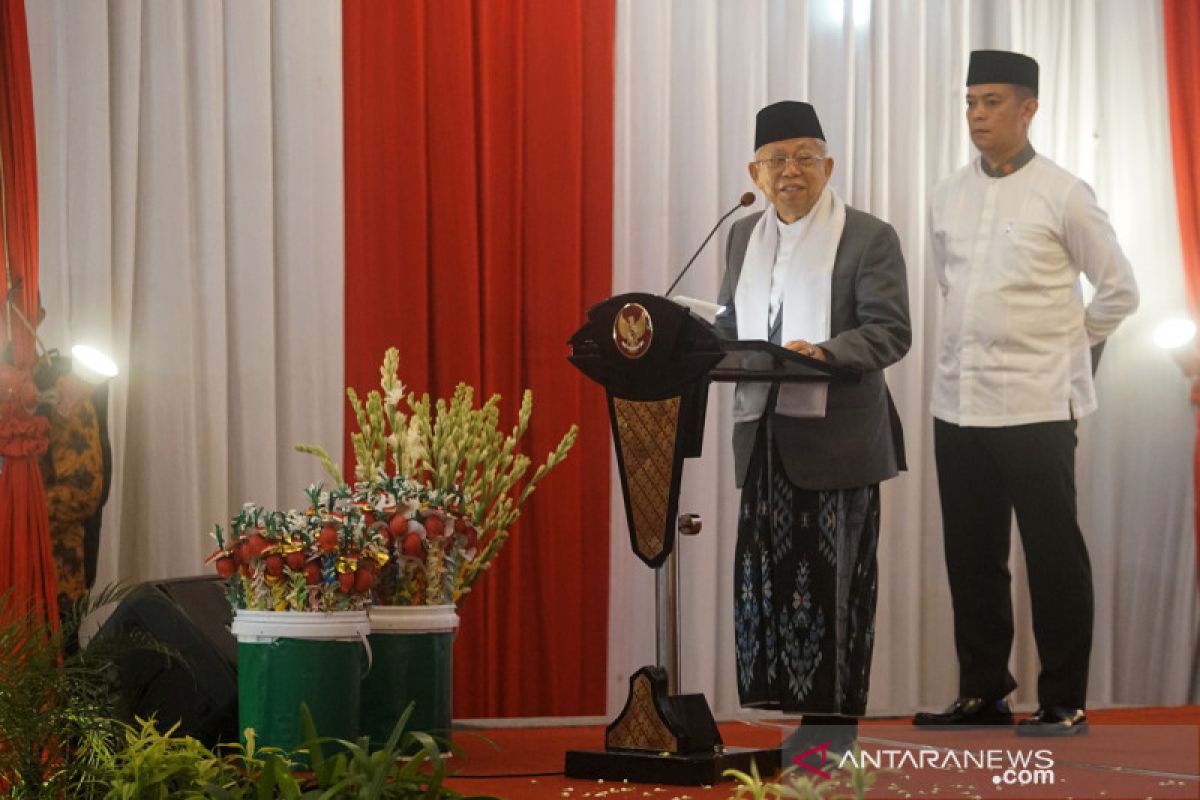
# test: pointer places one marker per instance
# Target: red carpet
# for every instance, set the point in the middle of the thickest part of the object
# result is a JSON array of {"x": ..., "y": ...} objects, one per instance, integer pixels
[{"x": 1128, "y": 753}]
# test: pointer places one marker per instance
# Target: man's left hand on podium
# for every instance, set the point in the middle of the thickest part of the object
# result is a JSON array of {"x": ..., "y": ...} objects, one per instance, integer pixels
[{"x": 805, "y": 348}]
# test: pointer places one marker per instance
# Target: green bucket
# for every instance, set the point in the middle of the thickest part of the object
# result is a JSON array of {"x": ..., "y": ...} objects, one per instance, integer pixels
[
  {"x": 413, "y": 652},
  {"x": 286, "y": 658}
]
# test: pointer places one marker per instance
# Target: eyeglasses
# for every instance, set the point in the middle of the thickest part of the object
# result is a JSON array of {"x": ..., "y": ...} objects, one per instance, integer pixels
[{"x": 779, "y": 163}]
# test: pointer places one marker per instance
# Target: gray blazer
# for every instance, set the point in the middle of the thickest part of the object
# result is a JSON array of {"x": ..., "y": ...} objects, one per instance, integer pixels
[{"x": 859, "y": 441}]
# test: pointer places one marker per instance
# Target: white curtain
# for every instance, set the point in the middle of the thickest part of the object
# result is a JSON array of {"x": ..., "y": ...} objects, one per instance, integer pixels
[
  {"x": 190, "y": 178},
  {"x": 887, "y": 81}
]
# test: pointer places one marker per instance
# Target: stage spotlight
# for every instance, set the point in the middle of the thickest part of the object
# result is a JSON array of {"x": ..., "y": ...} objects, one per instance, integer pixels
[
  {"x": 1174, "y": 333},
  {"x": 91, "y": 365},
  {"x": 88, "y": 363}
]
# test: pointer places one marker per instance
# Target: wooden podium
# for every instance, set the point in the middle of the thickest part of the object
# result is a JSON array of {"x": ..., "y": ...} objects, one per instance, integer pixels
[{"x": 655, "y": 360}]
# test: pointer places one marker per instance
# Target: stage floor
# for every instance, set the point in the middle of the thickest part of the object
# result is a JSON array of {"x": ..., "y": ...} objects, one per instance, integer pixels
[{"x": 1135, "y": 753}]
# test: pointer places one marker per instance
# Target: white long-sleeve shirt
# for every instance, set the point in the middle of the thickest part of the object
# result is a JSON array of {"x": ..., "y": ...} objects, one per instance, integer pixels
[
  {"x": 1015, "y": 333},
  {"x": 789, "y": 236}
]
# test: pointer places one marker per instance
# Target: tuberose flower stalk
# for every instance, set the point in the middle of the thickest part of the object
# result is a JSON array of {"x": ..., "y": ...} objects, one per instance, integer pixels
[{"x": 442, "y": 482}]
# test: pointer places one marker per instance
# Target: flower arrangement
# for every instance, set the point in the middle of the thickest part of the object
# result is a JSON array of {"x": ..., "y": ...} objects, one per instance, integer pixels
[
  {"x": 442, "y": 482},
  {"x": 437, "y": 489},
  {"x": 324, "y": 559}
]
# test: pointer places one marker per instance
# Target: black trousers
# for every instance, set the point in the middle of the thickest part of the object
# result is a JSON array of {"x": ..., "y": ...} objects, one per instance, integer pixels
[{"x": 984, "y": 475}]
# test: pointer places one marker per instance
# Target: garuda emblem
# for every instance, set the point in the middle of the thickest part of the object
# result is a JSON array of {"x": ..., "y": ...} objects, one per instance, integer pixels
[{"x": 633, "y": 330}]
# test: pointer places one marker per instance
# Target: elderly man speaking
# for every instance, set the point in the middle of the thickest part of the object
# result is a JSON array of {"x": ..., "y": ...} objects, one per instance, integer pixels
[{"x": 829, "y": 282}]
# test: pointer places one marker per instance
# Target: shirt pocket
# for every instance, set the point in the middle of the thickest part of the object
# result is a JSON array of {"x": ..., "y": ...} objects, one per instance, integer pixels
[{"x": 1035, "y": 254}]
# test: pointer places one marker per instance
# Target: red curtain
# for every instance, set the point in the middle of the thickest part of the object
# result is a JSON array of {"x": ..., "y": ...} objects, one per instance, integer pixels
[
  {"x": 26, "y": 562},
  {"x": 478, "y": 146},
  {"x": 1181, "y": 29}
]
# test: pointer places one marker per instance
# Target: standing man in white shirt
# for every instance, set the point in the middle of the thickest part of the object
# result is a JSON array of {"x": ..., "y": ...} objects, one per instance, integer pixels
[{"x": 1011, "y": 233}]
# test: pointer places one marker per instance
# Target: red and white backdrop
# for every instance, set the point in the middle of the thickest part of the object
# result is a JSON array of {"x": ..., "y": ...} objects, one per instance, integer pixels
[{"x": 248, "y": 202}]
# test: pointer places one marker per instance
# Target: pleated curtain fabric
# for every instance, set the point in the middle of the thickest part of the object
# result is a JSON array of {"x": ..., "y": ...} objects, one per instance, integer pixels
[
  {"x": 506, "y": 165},
  {"x": 1181, "y": 31},
  {"x": 887, "y": 79},
  {"x": 478, "y": 151},
  {"x": 26, "y": 563}
]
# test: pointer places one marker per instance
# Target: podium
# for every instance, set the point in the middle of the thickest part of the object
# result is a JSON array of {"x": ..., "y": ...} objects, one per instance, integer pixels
[{"x": 656, "y": 360}]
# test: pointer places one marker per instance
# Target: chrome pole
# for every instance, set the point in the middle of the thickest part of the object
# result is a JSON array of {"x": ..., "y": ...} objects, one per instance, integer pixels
[{"x": 666, "y": 608}]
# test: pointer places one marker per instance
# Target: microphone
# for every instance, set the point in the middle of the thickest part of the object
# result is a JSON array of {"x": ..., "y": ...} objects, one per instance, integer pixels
[{"x": 745, "y": 200}]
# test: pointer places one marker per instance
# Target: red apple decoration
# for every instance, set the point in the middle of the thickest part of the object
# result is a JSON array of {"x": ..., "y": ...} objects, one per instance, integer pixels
[
  {"x": 363, "y": 579},
  {"x": 273, "y": 564},
  {"x": 435, "y": 526},
  {"x": 327, "y": 539},
  {"x": 412, "y": 546},
  {"x": 256, "y": 544}
]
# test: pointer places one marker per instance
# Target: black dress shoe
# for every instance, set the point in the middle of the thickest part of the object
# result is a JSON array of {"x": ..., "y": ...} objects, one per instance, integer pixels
[
  {"x": 968, "y": 712},
  {"x": 839, "y": 733},
  {"x": 1054, "y": 721}
]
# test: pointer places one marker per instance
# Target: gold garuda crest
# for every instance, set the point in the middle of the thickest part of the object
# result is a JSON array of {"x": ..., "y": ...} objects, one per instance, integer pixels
[{"x": 633, "y": 330}]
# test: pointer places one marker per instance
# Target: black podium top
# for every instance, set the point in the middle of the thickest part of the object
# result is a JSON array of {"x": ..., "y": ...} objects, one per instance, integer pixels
[
  {"x": 757, "y": 360},
  {"x": 642, "y": 346},
  {"x": 656, "y": 360}
]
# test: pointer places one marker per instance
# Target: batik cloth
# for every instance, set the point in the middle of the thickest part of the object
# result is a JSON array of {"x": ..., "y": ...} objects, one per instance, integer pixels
[{"x": 73, "y": 472}]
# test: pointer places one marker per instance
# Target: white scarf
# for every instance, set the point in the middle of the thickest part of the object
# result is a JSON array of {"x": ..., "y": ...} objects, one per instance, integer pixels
[{"x": 808, "y": 284}]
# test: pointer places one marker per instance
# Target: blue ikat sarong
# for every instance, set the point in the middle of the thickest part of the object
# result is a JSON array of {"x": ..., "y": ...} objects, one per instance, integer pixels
[{"x": 805, "y": 583}]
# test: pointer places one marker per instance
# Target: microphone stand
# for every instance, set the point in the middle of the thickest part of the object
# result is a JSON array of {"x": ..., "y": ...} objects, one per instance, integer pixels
[{"x": 745, "y": 200}]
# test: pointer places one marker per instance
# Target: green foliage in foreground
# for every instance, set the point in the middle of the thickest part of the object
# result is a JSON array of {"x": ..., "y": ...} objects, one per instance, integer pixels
[
  {"x": 60, "y": 738},
  {"x": 157, "y": 765},
  {"x": 58, "y": 730},
  {"x": 796, "y": 785}
]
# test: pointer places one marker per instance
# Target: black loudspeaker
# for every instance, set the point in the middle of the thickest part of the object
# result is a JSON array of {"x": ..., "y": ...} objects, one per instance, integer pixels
[{"x": 196, "y": 684}]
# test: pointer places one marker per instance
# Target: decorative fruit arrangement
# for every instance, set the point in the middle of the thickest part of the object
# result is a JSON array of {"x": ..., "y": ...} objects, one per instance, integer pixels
[
  {"x": 326, "y": 558},
  {"x": 436, "y": 491}
]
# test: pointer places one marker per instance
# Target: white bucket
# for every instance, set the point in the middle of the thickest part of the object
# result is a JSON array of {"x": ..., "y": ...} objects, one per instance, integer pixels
[
  {"x": 414, "y": 647},
  {"x": 267, "y": 626},
  {"x": 289, "y": 658},
  {"x": 413, "y": 619}
]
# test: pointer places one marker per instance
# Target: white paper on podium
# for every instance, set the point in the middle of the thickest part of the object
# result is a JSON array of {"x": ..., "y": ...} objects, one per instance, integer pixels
[{"x": 702, "y": 308}]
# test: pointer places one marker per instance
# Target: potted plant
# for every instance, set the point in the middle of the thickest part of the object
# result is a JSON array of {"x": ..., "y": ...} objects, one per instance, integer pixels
[
  {"x": 299, "y": 583},
  {"x": 443, "y": 485}
]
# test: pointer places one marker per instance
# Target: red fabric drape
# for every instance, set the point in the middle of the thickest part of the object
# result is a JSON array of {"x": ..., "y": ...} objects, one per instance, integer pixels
[
  {"x": 478, "y": 146},
  {"x": 1181, "y": 29},
  {"x": 26, "y": 562}
]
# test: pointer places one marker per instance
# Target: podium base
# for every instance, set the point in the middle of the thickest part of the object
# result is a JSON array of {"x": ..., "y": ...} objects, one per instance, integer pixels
[{"x": 697, "y": 769}]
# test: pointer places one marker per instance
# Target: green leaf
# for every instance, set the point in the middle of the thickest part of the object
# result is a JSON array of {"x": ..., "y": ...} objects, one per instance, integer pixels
[
  {"x": 214, "y": 792},
  {"x": 312, "y": 745},
  {"x": 333, "y": 792},
  {"x": 266, "y": 784}
]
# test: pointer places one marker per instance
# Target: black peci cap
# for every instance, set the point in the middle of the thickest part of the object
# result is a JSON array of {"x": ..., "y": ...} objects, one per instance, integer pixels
[
  {"x": 1002, "y": 66},
  {"x": 787, "y": 119}
]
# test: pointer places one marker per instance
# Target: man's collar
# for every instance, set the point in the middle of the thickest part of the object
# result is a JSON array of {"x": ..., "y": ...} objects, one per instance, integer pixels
[{"x": 1020, "y": 159}]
